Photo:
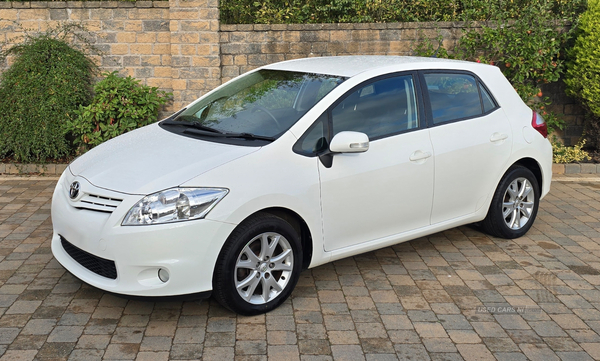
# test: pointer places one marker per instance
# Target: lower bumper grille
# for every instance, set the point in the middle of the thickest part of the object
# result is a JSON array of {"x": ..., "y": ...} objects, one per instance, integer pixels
[{"x": 100, "y": 266}]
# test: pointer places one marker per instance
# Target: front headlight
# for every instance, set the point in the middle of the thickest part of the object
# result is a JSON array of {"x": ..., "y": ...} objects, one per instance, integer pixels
[{"x": 174, "y": 205}]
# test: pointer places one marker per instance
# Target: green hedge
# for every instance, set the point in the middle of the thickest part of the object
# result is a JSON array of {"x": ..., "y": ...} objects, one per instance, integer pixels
[
  {"x": 365, "y": 11},
  {"x": 583, "y": 73}
]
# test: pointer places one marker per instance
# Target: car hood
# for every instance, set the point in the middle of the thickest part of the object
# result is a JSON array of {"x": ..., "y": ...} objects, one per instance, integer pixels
[{"x": 151, "y": 159}]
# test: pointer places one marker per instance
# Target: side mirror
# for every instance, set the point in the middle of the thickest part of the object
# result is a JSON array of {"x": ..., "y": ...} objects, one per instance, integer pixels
[{"x": 349, "y": 142}]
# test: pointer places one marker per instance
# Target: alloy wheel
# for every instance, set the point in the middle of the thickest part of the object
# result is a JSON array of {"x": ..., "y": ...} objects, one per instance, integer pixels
[
  {"x": 518, "y": 203},
  {"x": 263, "y": 268}
]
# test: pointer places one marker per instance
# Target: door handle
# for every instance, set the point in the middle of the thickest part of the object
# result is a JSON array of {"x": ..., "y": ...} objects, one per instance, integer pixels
[
  {"x": 419, "y": 155},
  {"x": 496, "y": 137}
]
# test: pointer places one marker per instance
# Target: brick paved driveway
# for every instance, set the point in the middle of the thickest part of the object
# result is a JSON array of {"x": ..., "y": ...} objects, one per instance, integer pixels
[{"x": 425, "y": 299}]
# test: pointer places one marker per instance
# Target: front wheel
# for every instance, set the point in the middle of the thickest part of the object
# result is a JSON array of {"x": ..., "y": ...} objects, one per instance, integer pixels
[
  {"x": 259, "y": 266},
  {"x": 514, "y": 205}
]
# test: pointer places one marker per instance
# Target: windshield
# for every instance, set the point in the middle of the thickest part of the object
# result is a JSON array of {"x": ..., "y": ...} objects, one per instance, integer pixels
[{"x": 263, "y": 103}]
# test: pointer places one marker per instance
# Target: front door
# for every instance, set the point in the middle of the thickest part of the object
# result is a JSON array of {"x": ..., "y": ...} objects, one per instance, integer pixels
[{"x": 388, "y": 189}]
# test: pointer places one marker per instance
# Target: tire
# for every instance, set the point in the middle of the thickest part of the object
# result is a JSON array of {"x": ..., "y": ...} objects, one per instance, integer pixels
[
  {"x": 514, "y": 205},
  {"x": 258, "y": 266}
]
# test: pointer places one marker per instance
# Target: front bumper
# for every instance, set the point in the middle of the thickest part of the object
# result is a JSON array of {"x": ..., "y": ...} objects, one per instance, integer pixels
[{"x": 92, "y": 223}]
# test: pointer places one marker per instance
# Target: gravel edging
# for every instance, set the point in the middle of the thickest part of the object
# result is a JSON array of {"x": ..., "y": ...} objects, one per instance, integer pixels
[{"x": 57, "y": 169}]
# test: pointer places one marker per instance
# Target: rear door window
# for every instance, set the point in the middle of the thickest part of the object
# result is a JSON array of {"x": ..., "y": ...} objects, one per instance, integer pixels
[{"x": 456, "y": 96}]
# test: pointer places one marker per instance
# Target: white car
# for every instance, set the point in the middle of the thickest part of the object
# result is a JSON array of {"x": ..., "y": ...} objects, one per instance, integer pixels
[{"x": 297, "y": 164}]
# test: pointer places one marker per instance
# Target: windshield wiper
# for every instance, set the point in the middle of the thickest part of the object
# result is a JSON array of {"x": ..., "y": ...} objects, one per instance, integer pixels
[
  {"x": 193, "y": 124},
  {"x": 228, "y": 135}
]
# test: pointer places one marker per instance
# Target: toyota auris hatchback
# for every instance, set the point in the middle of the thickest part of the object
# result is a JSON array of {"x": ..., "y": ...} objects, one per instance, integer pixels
[{"x": 297, "y": 164}]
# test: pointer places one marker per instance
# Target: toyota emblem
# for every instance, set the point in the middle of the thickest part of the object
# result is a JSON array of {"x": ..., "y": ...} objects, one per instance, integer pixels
[{"x": 74, "y": 190}]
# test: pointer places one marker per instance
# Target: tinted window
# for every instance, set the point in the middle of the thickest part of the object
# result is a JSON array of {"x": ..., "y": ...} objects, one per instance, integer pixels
[
  {"x": 314, "y": 139},
  {"x": 488, "y": 102},
  {"x": 452, "y": 96},
  {"x": 381, "y": 108}
]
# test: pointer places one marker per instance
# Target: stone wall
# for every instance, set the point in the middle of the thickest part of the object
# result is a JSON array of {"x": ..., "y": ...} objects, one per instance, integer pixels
[
  {"x": 173, "y": 45},
  {"x": 179, "y": 45},
  {"x": 245, "y": 47}
]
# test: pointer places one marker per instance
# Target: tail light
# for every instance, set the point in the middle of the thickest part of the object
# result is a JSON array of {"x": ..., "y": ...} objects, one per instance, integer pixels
[{"x": 539, "y": 124}]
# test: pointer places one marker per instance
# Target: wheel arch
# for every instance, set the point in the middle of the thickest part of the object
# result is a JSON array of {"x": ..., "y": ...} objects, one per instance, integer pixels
[
  {"x": 534, "y": 167},
  {"x": 299, "y": 225}
]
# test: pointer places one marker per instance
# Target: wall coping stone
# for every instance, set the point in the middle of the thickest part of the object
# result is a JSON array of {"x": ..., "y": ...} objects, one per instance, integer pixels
[
  {"x": 82, "y": 4},
  {"x": 346, "y": 26}
]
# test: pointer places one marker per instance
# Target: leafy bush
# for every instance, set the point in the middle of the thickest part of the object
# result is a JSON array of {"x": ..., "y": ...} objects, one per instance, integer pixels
[
  {"x": 119, "y": 105},
  {"x": 583, "y": 73},
  {"x": 353, "y": 11},
  {"x": 527, "y": 49},
  {"x": 38, "y": 93},
  {"x": 573, "y": 154}
]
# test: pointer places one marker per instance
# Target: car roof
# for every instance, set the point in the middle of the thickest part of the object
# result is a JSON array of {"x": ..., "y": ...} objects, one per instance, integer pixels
[{"x": 349, "y": 66}]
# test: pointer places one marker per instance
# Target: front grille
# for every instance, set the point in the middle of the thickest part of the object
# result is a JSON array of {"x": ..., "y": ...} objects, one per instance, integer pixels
[
  {"x": 98, "y": 203},
  {"x": 100, "y": 266}
]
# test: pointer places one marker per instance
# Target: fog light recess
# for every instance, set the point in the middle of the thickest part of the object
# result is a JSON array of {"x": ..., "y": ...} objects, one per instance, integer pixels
[{"x": 163, "y": 275}]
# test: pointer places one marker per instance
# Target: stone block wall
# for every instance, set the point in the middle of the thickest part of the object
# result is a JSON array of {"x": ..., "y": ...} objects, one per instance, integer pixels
[
  {"x": 245, "y": 47},
  {"x": 180, "y": 46},
  {"x": 173, "y": 45}
]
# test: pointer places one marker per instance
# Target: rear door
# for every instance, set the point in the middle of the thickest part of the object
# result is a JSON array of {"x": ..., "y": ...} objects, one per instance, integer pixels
[{"x": 472, "y": 141}]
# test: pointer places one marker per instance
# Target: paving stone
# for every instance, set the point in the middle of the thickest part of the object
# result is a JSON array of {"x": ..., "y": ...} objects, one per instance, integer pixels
[
  {"x": 284, "y": 352},
  {"x": 343, "y": 337},
  {"x": 186, "y": 351},
  {"x": 93, "y": 342},
  {"x": 155, "y": 343},
  {"x": 463, "y": 336},
  {"x": 55, "y": 350},
  {"x": 537, "y": 352},
  {"x": 512, "y": 322},
  {"x": 347, "y": 352},
  {"x": 476, "y": 352},
  {"x": 39, "y": 327},
  {"x": 574, "y": 356},
  {"x": 381, "y": 357},
  {"x": 510, "y": 356},
  {"x": 7, "y": 335},
  {"x": 251, "y": 347},
  {"x": 23, "y": 307},
  {"x": 121, "y": 351},
  {"x": 28, "y": 342},
  {"x": 430, "y": 329},
  {"x": 439, "y": 344},
  {"x": 128, "y": 335},
  {"x": 86, "y": 355},
  {"x": 547, "y": 329},
  {"x": 217, "y": 339},
  {"x": 19, "y": 355},
  {"x": 315, "y": 347},
  {"x": 411, "y": 352},
  {"x": 500, "y": 344}
]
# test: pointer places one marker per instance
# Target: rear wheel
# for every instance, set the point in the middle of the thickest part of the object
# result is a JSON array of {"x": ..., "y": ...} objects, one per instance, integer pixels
[
  {"x": 259, "y": 266},
  {"x": 514, "y": 205}
]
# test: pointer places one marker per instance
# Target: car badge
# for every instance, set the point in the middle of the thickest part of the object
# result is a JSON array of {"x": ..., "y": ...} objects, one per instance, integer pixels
[{"x": 74, "y": 190}]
